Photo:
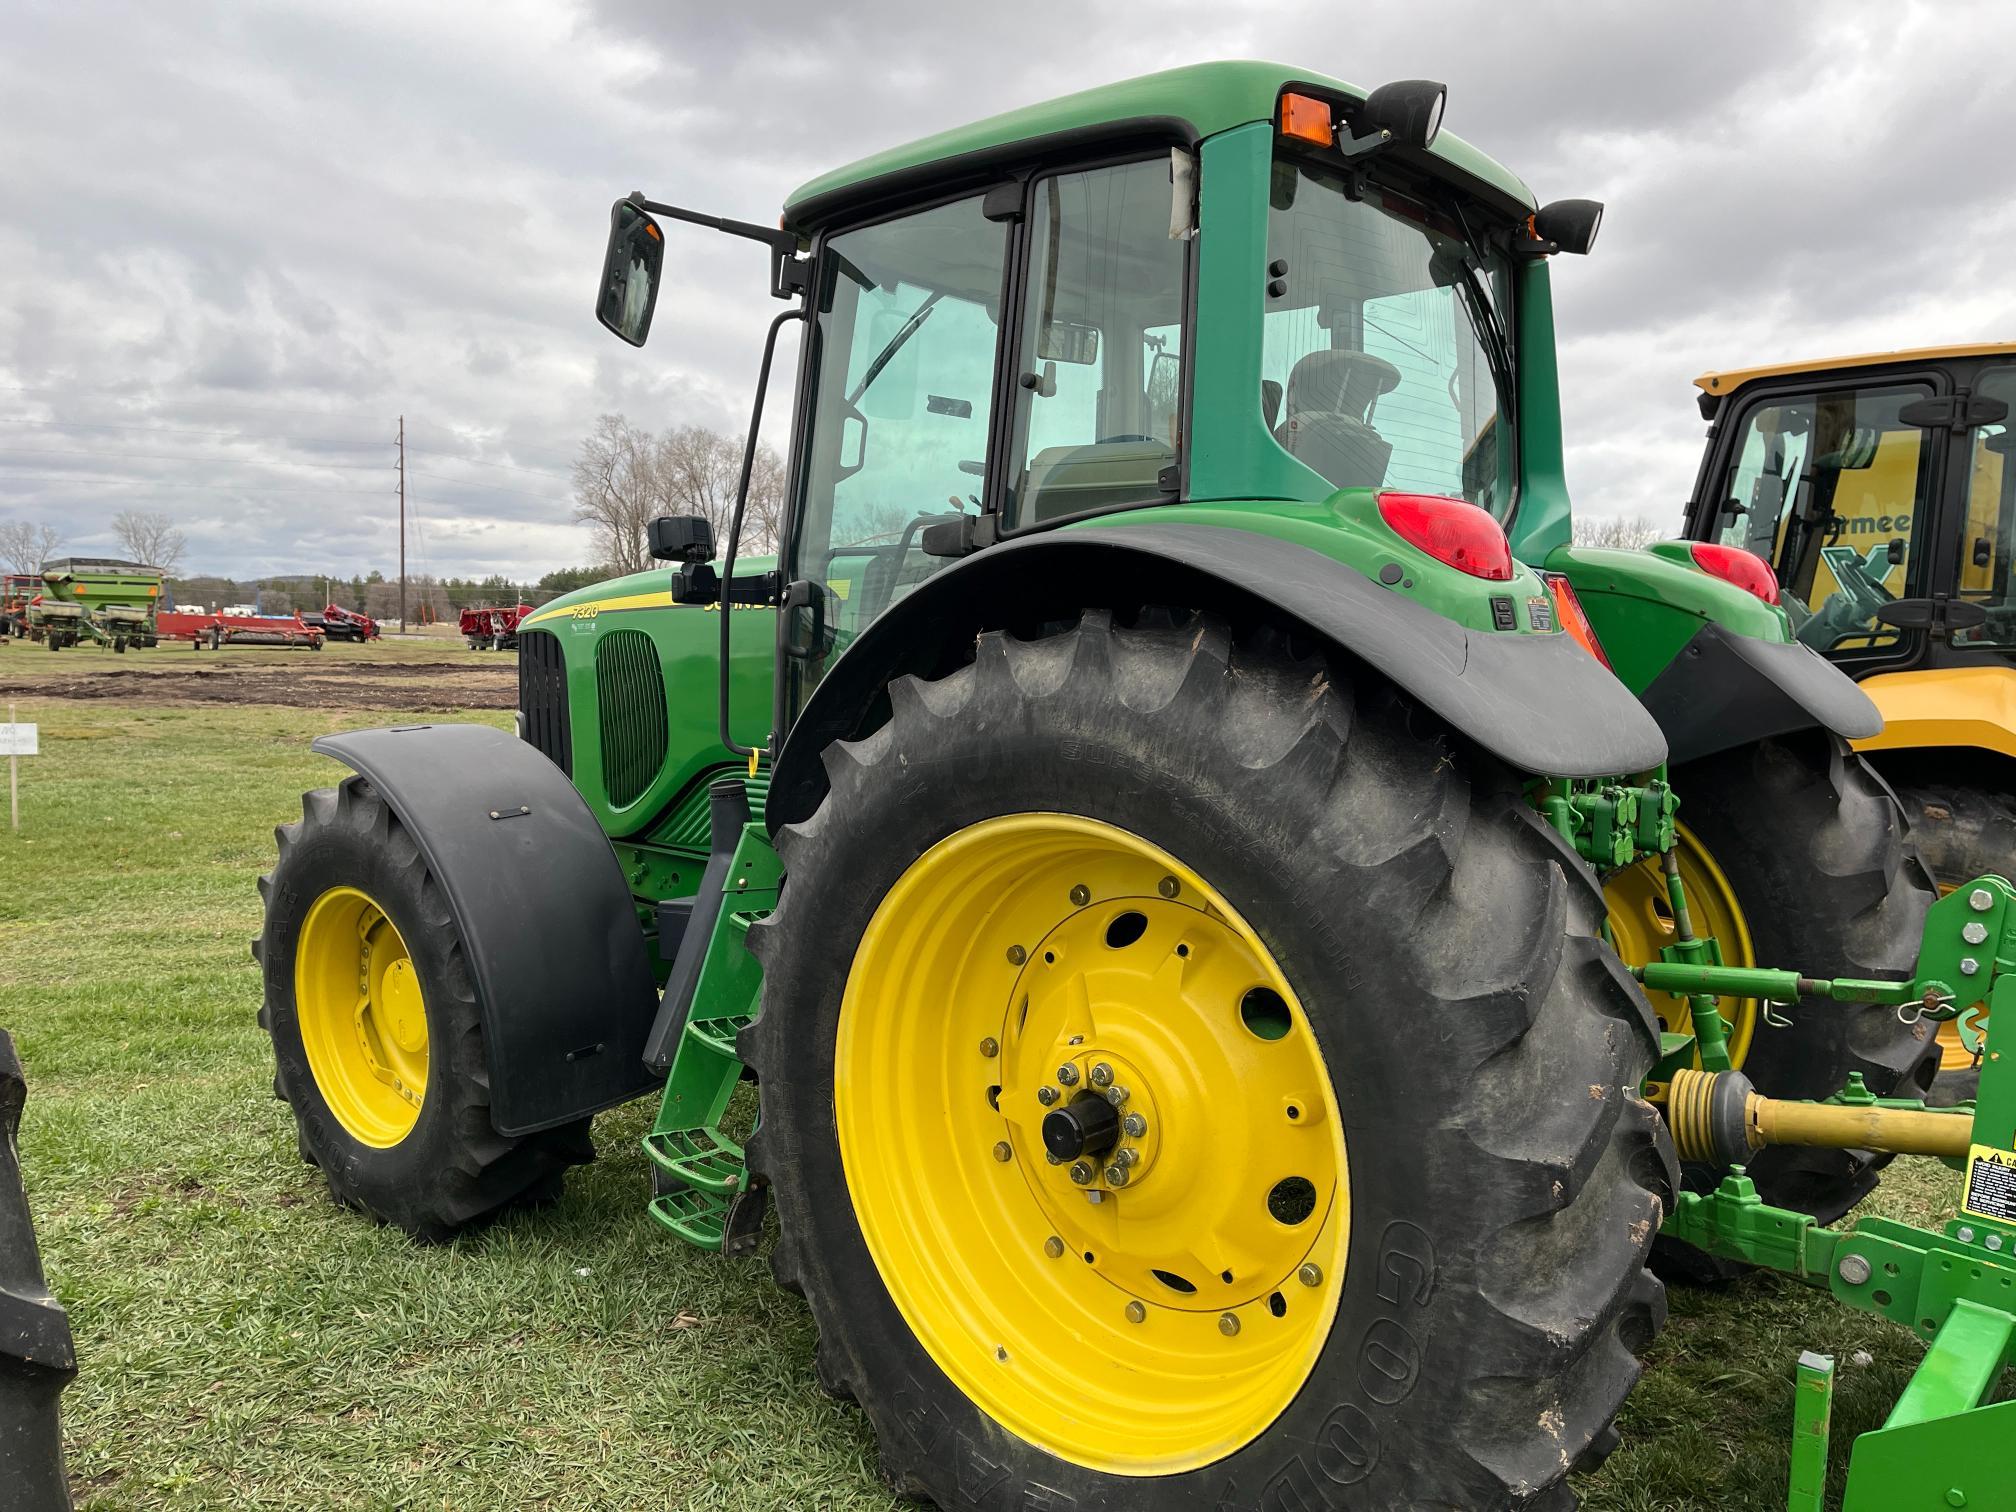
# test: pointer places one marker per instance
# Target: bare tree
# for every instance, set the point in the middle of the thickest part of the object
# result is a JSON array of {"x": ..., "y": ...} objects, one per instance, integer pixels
[
  {"x": 26, "y": 544},
  {"x": 151, "y": 539},
  {"x": 625, "y": 477},
  {"x": 618, "y": 490},
  {"x": 1624, "y": 532}
]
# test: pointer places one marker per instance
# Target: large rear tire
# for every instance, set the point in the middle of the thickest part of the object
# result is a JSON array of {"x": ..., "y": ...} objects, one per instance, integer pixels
[
  {"x": 1252, "y": 885},
  {"x": 377, "y": 1039},
  {"x": 1813, "y": 848},
  {"x": 37, "y": 1357}
]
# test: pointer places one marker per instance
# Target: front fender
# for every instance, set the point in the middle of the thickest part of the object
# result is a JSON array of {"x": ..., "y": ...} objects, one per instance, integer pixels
[
  {"x": 1536, "y": 701},
  {"x": 562, "y": 979}
]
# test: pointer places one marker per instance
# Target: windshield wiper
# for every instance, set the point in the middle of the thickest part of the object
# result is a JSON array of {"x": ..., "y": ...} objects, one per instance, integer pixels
[
  {"x": 1484, "y": 313},
  {"x": 888, "y": 354}
]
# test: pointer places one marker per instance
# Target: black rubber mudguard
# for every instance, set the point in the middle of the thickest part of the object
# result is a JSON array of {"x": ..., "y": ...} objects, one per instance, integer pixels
[
  {"x": 554, "y": 945},
  {"x": 37, "y": 1359},
  {"x": 1538, "y": 702},
  {"x": 1724, "y": 690}
]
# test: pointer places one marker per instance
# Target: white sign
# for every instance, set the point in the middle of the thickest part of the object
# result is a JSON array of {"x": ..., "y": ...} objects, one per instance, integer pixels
[{"x": 18, "y": 740}]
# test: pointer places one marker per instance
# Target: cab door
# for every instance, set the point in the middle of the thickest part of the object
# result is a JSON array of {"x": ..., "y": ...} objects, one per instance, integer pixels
[{"x": 1835, "y": 484}]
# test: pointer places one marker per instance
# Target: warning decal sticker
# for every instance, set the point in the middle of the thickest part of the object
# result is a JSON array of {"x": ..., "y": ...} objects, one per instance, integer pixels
[{"x": 1991, "y": 1184}]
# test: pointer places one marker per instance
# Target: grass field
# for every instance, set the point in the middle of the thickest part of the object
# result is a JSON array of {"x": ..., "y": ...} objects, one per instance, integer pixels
[{"x": 244, "y": 1343}]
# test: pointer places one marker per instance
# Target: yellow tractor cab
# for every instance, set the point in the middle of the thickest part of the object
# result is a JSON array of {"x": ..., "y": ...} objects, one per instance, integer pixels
[{"x": 1881, "y": 489}]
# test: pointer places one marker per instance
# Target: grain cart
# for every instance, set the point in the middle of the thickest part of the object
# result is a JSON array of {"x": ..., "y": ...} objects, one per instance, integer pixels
[
  {"x": 96, "y": 598},
  {"x": 1176, "y": 833},
  {"x": 1879, "y": 487}
]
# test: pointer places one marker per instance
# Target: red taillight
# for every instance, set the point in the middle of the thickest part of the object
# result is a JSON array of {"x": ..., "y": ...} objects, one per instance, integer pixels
[
  {"x": 1732, "y": 564},
  {"x": 1450, "y": 530},
  {"x": 1568, "y": 611}
]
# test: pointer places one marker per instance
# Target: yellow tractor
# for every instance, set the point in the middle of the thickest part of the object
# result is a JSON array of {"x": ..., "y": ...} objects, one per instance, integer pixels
[{"x": 1880, "y": 488}]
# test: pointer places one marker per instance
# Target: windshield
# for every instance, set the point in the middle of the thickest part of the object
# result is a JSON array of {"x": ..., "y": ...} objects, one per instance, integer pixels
[{"x": 1385, "y": 362}]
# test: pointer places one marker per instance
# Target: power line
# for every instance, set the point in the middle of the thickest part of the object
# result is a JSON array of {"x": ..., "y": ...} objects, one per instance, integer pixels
[
  {"x": 132, "y": 482},
  {"x": 187, "y": 430},
  {"x": 51, "y": 451}
]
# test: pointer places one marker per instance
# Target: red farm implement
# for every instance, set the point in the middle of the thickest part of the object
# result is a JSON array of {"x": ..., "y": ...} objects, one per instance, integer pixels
[
  {"x": 493, "y": 629},
  {"x": 338, "y": 623},
  {"x": 219, "y": 630}
]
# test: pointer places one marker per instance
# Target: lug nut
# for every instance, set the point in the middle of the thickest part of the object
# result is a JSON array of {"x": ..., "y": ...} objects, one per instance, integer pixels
[
  {"x": 1017, "y": 955},
  {"x": 1116, "y": 1095},
  {"x": 990, "y": 1047},
  {"x": 1134, "y": 1125},
  {"x": 1067, "y": 1074},
  {"x": 1102, "y": 1075},
  {"x": 1228, "y": 1324},
  {"x": 1975, "y": 932},
  {"x": 1054, "y": 1247},
  {"x": 1980, "y": 900},
  {"x": 1136, "y": 1313},
  {"x": 1047, "y": 1095},
  {"x": 1168, "y": 887},
  {"x": 1004, "y": 1152},
  {"x": 1854, "y": 1269},
  {"x": 1310, "y": 1274},
  {"x": 1081, "y": 1173},
  {"x": 1129, "y": 1158},
  {"x": 1116, "y": 1175},
  {"x": 1081, "y": 895},
  {"x": 1053, "y": 1159}
]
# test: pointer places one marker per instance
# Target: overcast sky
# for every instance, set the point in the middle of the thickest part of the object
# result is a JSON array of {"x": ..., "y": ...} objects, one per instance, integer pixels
[{"x": 238, "y": 241}]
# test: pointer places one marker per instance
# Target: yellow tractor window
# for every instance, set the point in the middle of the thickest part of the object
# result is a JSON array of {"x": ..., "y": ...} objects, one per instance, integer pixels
[
  {"x": 1831, "y": 487},
  {"x": 1986, "y": 550}
]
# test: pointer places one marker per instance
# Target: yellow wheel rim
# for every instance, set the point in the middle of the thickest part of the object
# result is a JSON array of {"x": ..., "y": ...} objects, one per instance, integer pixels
[
  {"x": 363, "y": 1017},
  {"x": 1641, "y": 923},
  {"x": 1137, "y": 1318}
]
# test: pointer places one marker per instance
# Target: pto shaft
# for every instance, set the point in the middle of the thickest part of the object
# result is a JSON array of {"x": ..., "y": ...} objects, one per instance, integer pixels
[{"x": 1719, "y": 1119}]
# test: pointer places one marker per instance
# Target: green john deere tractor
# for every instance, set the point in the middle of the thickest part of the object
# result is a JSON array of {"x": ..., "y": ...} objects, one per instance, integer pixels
[{"x": 1231, "y": 915}]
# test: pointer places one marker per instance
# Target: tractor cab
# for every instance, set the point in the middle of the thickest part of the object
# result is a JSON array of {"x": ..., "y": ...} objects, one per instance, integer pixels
[{"x": 1881, "y": 490}]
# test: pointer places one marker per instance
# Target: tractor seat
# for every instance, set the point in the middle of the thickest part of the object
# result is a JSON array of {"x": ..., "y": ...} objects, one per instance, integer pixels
[{"x": 1331, "y": 397}]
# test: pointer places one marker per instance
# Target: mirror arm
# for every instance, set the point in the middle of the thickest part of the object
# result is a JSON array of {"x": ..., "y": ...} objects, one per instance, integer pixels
[
  {"x": 788, "y": 271},
  {"x": 735, "y": 522}
]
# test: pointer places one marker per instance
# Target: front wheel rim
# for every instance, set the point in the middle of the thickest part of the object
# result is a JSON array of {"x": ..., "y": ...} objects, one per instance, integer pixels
[
  {"x": 362, "y": 1015},
  {"x": 1144, "y": 1308}
]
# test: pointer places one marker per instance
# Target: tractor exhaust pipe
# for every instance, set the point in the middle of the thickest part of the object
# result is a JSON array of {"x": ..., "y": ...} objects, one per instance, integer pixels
[{"x": 1719, "y": 1118}]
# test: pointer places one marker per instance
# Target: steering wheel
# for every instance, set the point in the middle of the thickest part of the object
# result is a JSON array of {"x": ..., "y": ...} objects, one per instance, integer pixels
[{"x": 1847, "y": 611}]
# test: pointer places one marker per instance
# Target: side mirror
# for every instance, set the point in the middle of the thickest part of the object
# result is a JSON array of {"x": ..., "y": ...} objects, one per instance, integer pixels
[
  {"x": 630, "y": 269},
  {"x": 681, "y": 538}
]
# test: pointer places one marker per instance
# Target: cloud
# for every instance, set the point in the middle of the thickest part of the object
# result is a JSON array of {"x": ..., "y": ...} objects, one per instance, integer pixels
[{"x": 238, "y": 243}]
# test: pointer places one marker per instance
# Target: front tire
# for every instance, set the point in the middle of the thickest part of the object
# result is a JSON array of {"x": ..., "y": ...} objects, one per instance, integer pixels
[
  {"x": 1457, "y": 1327},
  {"x": 377, "y": 1037}
]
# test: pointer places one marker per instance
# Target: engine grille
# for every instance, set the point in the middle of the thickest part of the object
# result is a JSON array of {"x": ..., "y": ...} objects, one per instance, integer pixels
[
  {"x": 630, "y": 694},
  {"x": 542, "y": 697}
]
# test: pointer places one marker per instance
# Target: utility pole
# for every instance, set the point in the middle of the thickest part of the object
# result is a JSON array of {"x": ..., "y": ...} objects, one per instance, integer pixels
[{"x": 402, "y": 524}]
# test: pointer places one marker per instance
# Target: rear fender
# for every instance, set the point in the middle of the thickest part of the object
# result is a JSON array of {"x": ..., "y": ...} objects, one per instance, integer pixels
[
  {"x": 555, "y": 948},
  {"x": 1536, "y": 701}
]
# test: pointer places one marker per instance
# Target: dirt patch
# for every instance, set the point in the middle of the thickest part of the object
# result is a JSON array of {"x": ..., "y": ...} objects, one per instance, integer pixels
[{"x": 308, "y": 682}]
